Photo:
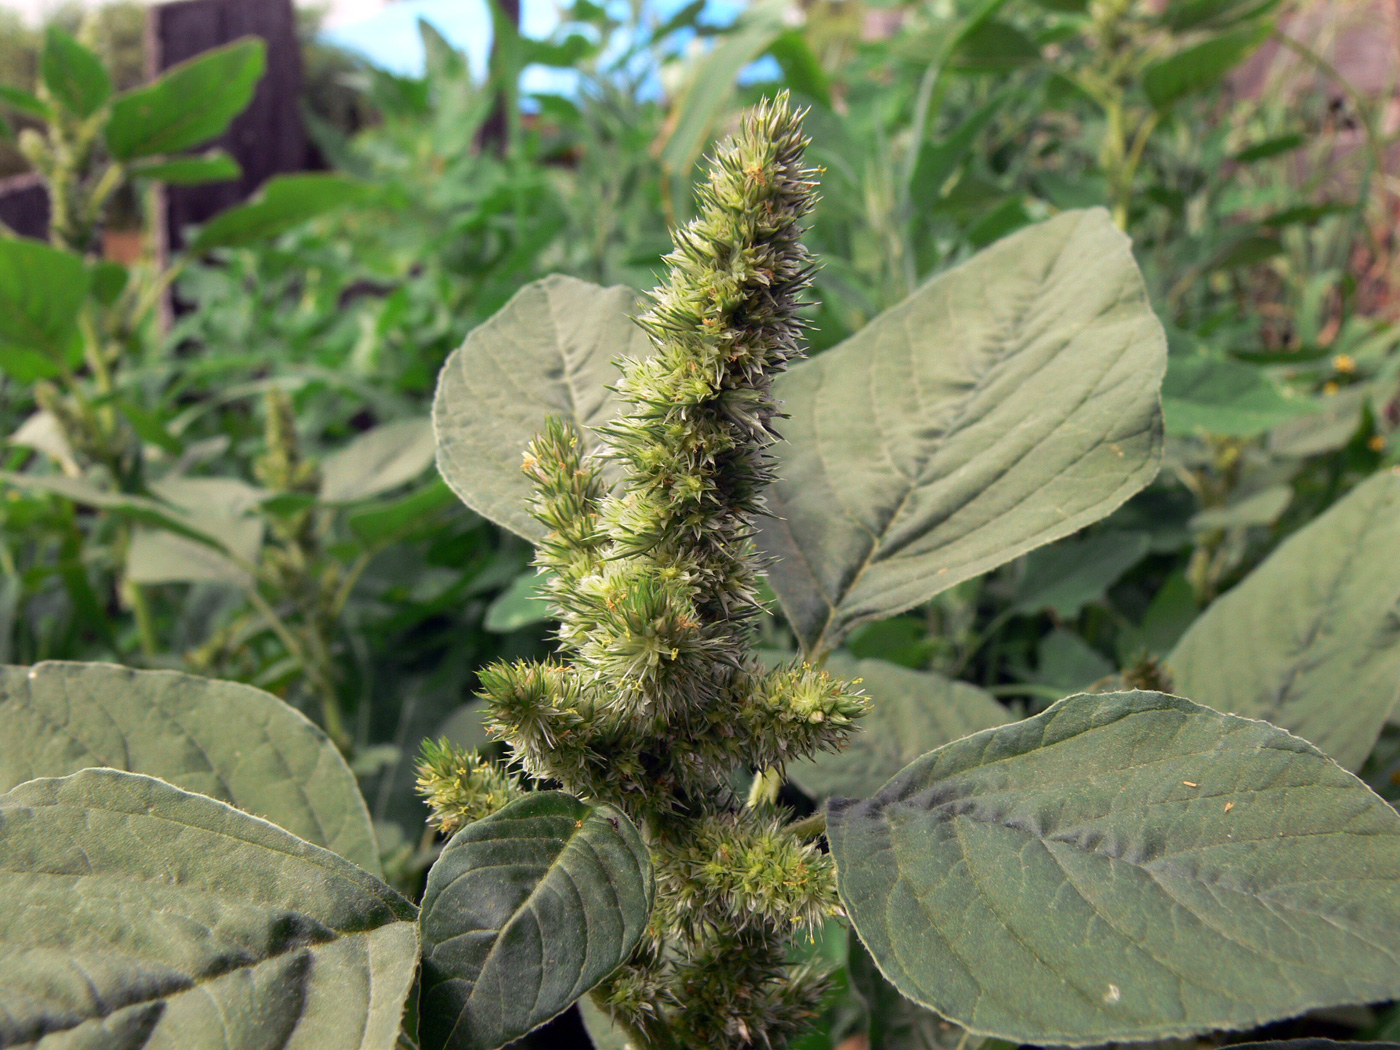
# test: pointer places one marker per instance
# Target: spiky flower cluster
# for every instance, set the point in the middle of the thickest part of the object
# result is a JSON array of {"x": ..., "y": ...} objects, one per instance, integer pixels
[
  {"x": 656, "y": 699},
  {"x": 460, "y": 786}
]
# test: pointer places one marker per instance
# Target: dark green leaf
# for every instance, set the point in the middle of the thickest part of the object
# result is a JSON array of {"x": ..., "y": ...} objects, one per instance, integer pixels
[
  {"x": 519, "y": 605},
  {"x": 214, "y": 166},
  {"x": 525, "y": 911},
  {"x": 1066, "y": 576},
  {"x": 1248, "y": 251},
  {"x": 375, "y": 523},
  {"x": 1124, "y": 866},
  {"x": 1185, "y": 15},
  {"x": 1310, "y": 640},
  {"x": 1066, "y": 662},
  {"x": 1270, "y": 148},
  {"x": 137, "y": 915},
  {"x": 802, "y": 70},
  {"x": 108, "y": 281},
  {"x": 285, "y": 203},
  {"x": 1006, "y": 404},
  {"x": 994, "y": 46},
  {"x": 547, "y": 352},
  {"x": 74, "y": 76},
  {"x": 939, "y": 159},
  {"x": 41, "y": 292},
  {"x": 892, "y": 1021},
  {"x": 911, "y": 712},
  {"x": 1200, "y": 67},
  {"x": 228, "y": 741},
  {"x": 190, "y": 104}
]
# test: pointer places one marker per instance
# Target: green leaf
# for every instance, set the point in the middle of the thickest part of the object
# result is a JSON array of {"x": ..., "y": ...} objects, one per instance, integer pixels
[
  {"x": 701, "y": 102},
  {"x": 893, "y": 1022},
  {"x": 995, "y": 46},
  {"x": 24, "y": 102},
  {"x": 378, "y": 460},
  {"x": 1006, "y": 404},
  {"x": 1271, "y": 147},
  {"x": 189, "y": 105},
  {"x": 138, "y": 915},
  {"x": 1066, "y": 576},
  {"x": 1310, "y": 640},
  {"x": 1067, "y": 662},
  {"x": 383, "y": 521},
  {"x": 220, "y": 508},
  {"x": 1201, "y": 67},
  {"x": 228, "y": 741},
  {"x": 911, "y": 712},
  {"x": 74, "y": 75},
  {"x": 41, "y": 292},
  {"x": 1262, "y": 507},
  {"x": 502, "y": 955},
  {"x": 519, "y": 605},
  {"x": 547, "y": 352},
  {"x": 802, "y": 69},
  {"x": 1124, "y": 866},
  {"x": 1224, "y": 397},
  {"x": 214, "y": 166},
  {"x": 284, "y": 203}
]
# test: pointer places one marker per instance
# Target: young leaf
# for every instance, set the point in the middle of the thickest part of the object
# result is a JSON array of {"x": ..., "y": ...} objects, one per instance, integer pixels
[
  {"x": 24, "y": 102},
  {"x": 1124, "y": 866},
  {"x": 911, "y": 712},
  {"x": 228, "y": 741},
  {"x": 136, "y": 914},
  {"x": 41, "y": 291},
  {"x": 547, "y": 352},
  {"x": 503, "y": 955},
  {"x": 377, "y": 460},
  {"x": 214, "y": 166},
  {"x": 1310, "y": 640},
  {"x": 189, "y": 105},
  {"x": 1007, "y": 403},
  {"x": 284, "y": 203},
  {"x": 74, "y": 76}
]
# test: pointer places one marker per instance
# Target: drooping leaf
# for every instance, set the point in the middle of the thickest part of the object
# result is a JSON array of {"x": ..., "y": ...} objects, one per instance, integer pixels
[
  {"x": 284, "y": 203},
  {"x": 214, "y": 166},
  {"x": 911, "y": 712},
  {"x": 1068, "y": 575},
  {"x": 547, "y": 352},
  {"x": 378, "y": 460},
  {"x": 41, "y": 292},
  {"x": 136, "y": 914},
  {"x": 1310, "y": 640},
  {"x": 1124, "y": 866},
  {"x": 1225, "y": 397},
  {"x": 525, "y": 911},
  {"x": 74, "y": 76},
  {"x": 1006, "y": 404},
  {"x": 221, "y": 508},
  {"x": 228, "y": 741},
  {"x": 190, "y": 104},
  {"x": 1199, "y": 67}
]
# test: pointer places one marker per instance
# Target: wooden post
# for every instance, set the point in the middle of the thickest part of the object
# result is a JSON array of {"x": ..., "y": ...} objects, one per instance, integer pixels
[{"x": 268, "y": 138}]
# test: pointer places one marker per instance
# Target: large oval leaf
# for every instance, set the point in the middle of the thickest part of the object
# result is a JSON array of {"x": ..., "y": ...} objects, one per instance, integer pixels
[
  {"x": 525, "y": 911},
  {"x": 1007, "y": 403},
  {"x": 911, "y": 713},
  {"x": 1124, "y": 866},
  {"x": 228, "y": 741},
  {"x": 138, "y": 915},
  {"x": 1310, "y": 640},
  {"x": 547, "y": 352}
]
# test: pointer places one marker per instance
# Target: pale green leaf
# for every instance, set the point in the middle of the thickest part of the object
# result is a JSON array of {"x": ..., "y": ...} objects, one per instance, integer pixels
[
  {"x": 525, "y": 911},
  {"x": 228, "y": 741},
  {"x": 1006, "y": 404},
  {"x": 1124, "y": 866},
  {"x": 1225, "y": 397},
  {"x": 547, "y": 352},
  {"x": 221, "y": 508},
  {"x": 378, "y": 460},
  {"x": 137, "y": 915},
  {"x": 284, "y": 203},
  {"x": 1069, "y": 663},
  {"x": 911, "y": 712},
  {"x": 519, "y": 605},
  {"x": 1262, "y": 507},
  {"x": 1310, "y": 640}
]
